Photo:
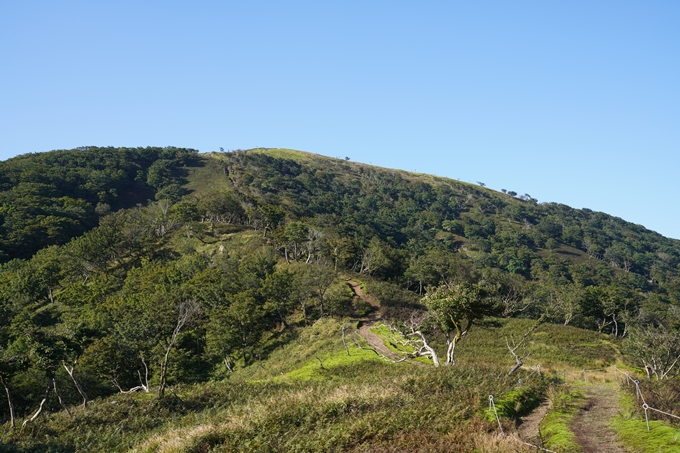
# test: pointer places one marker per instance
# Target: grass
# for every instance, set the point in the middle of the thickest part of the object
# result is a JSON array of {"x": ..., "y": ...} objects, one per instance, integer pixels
[
  {"x": 514, "y": 403},
  {"x": 564, "y": 403},
  {"x": 552, "y": 346},
  {"x": 289, "y": 402},
  {"x": 324, "y": 366},
  {"x": 207, "y": 175},
  {"x": 391, "y": 340},
  {"x": 632, "y": 429},
  {"x": 292, "y": 154}
]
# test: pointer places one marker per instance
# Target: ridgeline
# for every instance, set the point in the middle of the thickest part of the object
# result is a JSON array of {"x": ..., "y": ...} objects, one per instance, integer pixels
[{"x": 157, "y": 299}]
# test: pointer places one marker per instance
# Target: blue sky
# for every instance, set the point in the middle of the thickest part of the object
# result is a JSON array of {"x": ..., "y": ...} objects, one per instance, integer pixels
[{"x": 576, "y": 102}]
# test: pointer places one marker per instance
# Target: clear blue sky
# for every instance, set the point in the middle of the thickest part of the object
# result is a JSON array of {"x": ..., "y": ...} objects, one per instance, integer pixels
[{"x": 574, "y": 101}]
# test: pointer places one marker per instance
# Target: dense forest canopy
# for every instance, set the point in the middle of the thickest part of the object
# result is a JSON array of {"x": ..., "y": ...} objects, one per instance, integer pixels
[
  {"x": 130, "y": 269},
  {"x": 49, "y": 198}
]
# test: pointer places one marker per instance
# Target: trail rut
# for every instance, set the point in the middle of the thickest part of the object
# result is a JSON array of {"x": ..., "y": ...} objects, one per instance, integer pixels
[
  {"x": 365, "y": 323},
  {"x": 528, "y": 430},
  {"x": 592, "y": 424}
]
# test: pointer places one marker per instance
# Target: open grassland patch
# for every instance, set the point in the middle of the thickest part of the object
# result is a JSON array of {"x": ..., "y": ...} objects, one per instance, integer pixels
[
  {"x": 292, "y": 154},
  {"x": 314, "y": 353},
  {"x": 207, "y": 173},
  {"x": 295, "y": 407},
  {"x": 365, "y": 406},
  {"x": 554, "y": 347}
]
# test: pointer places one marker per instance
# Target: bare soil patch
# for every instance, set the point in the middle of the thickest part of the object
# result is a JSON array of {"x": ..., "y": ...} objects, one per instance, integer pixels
[{"x": 528, "y": 428}]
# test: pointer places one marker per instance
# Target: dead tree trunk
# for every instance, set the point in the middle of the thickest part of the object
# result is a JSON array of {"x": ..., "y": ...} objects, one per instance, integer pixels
[
  {"x": 518, "y": 357},
  {"x": 145, "y": 383},
  {"x": 451, "y": 343},
  {"x": 40, "y": 408},
  {"x": 76, "y": 383},
  {"x": 521, "y": 343},
  {"x": 187, "y": 310},
  {"x": 344, "y": 327},
  {"x": 428, "y": 350},
  {"x": 56, "y": 392},
  {"x": 228, "y": 363},
  {"x": 12, "y": 419}
]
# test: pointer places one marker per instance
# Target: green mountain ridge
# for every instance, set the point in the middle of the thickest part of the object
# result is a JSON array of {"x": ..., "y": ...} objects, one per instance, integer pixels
[{"x": 208, "y": 302}]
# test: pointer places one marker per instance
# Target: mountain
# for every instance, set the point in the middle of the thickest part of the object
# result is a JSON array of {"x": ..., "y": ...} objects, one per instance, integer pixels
[{"x": 252, "y": 285}]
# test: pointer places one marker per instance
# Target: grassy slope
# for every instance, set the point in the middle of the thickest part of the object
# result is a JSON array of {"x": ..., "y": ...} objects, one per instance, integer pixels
[
  {"x": 206, "y": 175},
  {"x": 290, "y": 403}
]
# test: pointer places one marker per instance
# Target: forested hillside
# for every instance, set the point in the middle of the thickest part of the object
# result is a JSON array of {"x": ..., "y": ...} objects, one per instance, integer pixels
[
  {"x": 397, "y": 226},
  {"x": 139, "y": 271},
  {"x": 49, "y": 198}
]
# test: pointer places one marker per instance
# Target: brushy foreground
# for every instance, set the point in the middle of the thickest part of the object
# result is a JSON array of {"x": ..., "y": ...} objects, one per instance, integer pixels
[{"x": 310, "y": 395}]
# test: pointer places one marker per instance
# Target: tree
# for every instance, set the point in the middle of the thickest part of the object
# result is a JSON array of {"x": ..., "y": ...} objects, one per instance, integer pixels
[
  {"x": 236, "y": 327},
  {"x": 47, "y": 351},
  {"x": 294, "y": 235},
  {"x": 373, "y": 257},
  {"x": 186, "y": 212},
  {"x": 11, "y": 363},
  {"x": 220, "y": 206},
  {"x": 187, "y": 310},
  {"x": 656, "y": 348},
  {"x": 278, "y": 290},
  {"x": 438, "y": 267},
  {"x": 413, "y": 335},
  {"x": 457, "y": 308},
  {"x": 160, "y": 173},
  {"x": 271, "y": 217},
  {"x": 319, "y": 278},
  {"x": 75, "y": 341},
  {"x": 559, "y": 302}
]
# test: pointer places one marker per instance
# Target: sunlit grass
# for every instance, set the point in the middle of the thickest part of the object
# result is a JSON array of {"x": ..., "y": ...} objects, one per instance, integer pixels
[
  {"x": 308, "y": 394},
  {"x": 632, "y": 429},
  {"x": 554, "y": 428}
]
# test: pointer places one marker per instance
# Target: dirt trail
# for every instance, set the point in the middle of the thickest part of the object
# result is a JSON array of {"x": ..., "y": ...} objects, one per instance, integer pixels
[
  {"x": 592, "y": 423},
  {"x": 528, "y": 429},
  {"x": 365, "y": 323}
]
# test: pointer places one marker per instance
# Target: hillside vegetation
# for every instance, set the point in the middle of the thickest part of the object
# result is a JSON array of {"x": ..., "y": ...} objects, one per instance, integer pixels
[{"x": 157, "y": 299}]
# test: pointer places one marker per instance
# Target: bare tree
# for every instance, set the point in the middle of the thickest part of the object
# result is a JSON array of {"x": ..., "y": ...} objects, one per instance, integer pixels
[
  {"x": 40, "y": 408},
  {"x": 187, "y": 310},
  {"x": 69, "y": 370},
  {"x": 522, "y": 343},
  {"x": 656, "y": 348},
  {"x": 345, "y": 326},
  {"x": 12, "y": 417},
  {"x": 411, "y": 336},
  {"x": 143, "y": 383}
]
